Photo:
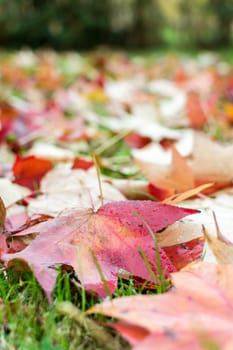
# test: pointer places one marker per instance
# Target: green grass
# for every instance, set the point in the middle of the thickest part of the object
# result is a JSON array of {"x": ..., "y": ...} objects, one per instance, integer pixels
[{"x": 28, "y": 322}]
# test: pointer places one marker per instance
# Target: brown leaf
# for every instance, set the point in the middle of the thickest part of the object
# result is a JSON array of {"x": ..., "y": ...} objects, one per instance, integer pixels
[{"x": 2, "y": 213}]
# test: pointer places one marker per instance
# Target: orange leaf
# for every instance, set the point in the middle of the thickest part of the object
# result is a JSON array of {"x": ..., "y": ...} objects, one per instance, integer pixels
[
  {"x": 179, "y": 197},
  {"x": 180, "y": 173},
  {"x": 195, "y": 112},
  {"x": 167, "y": 179}
]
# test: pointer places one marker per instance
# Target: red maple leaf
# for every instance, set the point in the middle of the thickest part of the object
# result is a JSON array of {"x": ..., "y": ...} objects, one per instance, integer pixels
[{"x": 105, "y": 240}]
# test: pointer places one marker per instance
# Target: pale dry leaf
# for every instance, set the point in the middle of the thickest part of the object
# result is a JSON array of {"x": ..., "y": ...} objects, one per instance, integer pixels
[
  {"x": 171, "y": 108},
  {"x": 211, "y": 161},
  {"x": 221, "y": 203},
  {"x": 129, "y": 187},
  {"x": 10, "y": 192},
  {"x": 169, "y": 170},
  {"x": 208, "y": 161},
  {"x": 64, "y": 188},
  {"x": 222, "y": 250},
  {"x": 51, "y": 152},
  {"x": 179, "y": 232},
  {"x": 221, "y": 247}
]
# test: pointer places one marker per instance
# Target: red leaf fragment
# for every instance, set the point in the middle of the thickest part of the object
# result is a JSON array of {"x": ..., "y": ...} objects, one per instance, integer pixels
[
  {"x": 185, "y": 253},
  {"x": 28, "y": 171},
  {"x": 135, "y": 140},
  {"x": 3, "y": 244},
  {"x": 159, "y": 192},
  {"x": 82, "y": 163}
]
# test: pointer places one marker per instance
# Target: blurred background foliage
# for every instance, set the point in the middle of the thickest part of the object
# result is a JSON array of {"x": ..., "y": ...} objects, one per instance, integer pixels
[{"x": 85, "y": 24}]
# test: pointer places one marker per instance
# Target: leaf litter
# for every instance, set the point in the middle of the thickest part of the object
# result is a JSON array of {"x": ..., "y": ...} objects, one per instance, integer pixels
[{"x": 156, "y": 134}]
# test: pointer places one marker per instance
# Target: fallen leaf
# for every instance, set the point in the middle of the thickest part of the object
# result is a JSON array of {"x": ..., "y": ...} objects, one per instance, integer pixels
[
  {"x": 200, "y": 340},
  {"x": 196, "y": 314},
  {"x": 180, "y": 172},
  {"x": 28, "y": 171},
  {"x": 82, "y": 163},
  {"x": 194, "y": 110},
  {"x": 221, "y": 247},
  {"x": 174, "y": 178},
  {"x": 51, "y": 152},
  {"x": 132, "y": 189},
  {"x": 179, "y": 232},
  {"x": 173, "y": 172},
  {"x": 222, "y": 250},
  {"x": 112, "y": 235},
  {"x": 11, "y": 193},
  {"x": 135, "y": 140},
  {"x": 211, "y": 161},
  {"x": 186, "y": 252},
  {"x": 221, "y": 203},
  {"x": 64, "y": 188},
  {"x": 160, "y": 193},
  {"x": 3, "y": 244}
]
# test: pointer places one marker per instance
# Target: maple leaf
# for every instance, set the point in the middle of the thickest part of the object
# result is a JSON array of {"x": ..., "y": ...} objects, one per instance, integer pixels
[
  {"x": 28, "y": 171},
  {"x": 196, "y": 314},
  {"x": 113, "y": 234}
]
